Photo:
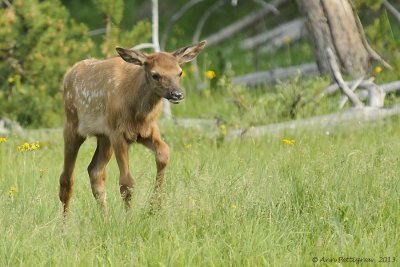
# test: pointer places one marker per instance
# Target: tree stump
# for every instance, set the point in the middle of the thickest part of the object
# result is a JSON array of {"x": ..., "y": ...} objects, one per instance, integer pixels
[{"x": 332, "y": 24}]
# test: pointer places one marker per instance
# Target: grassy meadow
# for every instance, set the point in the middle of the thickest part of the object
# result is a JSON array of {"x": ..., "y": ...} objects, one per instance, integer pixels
[
  {"x": 324, "y": 197},
  {"x": 252, "y": 202}
]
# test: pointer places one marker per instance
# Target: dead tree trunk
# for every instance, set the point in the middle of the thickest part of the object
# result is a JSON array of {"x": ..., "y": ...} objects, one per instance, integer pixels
[{"x": 332, "y": 24}]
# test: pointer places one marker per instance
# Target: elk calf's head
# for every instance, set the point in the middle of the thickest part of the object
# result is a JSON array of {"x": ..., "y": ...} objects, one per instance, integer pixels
[{"x": 163, "y": 69}]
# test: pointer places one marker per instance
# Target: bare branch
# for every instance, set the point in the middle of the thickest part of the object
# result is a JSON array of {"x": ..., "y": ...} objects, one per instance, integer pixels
[
  {"x": 272, "y": 7},
  {"x": 144, "y": 46},
  {"x": 392, "y": 10},
  {"x": 197, "y": 34},
  {"x": 344, "y": 99},
  {"x": 7, "y": 3},
  {"x": 334, "y": 86},
  {"x": 373, "y": 54},
  {"x": 97, "y": 32},
  {"x": 156, "y": 45},
  {"x": 230, "y": 30},
  {"x": 154, "y": 16},
  {"x": 338, "y": 78},
  {"x": 175, "y": 18},
  {"x": 203, "y": 20}
]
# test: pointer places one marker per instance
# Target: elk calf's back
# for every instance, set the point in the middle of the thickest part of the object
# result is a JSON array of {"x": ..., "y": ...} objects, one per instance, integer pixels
[{"x": 118, "y": 100}]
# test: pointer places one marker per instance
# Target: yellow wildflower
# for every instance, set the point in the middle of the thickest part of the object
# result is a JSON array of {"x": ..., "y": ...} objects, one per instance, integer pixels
[
  {"x": 188, "y": 146},
  {"x": 3, "y": 139},
  {"x": 21, "y": 149},
  {"x": 222, "y": 128},
  {"x": 207, "y": 93},
  {"x": 28, "y": 147},
  {"x": 234, "y": 206},
  {"x": 286, "y": 40},
  {"x": 288, "y": 141},
  {"x": 35, "y": 146},
  {"x": 89, "y": 44},
  {"x": 378, "y": 69},
  {"x": 10, "y": 16},
  {"x": 183, "y": 74},
  {"x": 210, "y": 74},
  {"x": 41, "y": 172},
  {"x": 12, "y": 191}
]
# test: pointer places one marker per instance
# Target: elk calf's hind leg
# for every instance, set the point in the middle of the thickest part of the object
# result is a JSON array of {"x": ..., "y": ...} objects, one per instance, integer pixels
[
  {"x": 97, "y": 170},
  {"x": 72, "y": 143}
]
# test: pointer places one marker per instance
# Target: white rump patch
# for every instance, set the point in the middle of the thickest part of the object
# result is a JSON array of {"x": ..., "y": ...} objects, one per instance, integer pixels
[{"x": 92, "y": 124}]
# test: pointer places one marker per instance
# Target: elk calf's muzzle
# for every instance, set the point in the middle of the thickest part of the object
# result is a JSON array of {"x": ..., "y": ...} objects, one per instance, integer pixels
[{"x": 175, "y": 96}]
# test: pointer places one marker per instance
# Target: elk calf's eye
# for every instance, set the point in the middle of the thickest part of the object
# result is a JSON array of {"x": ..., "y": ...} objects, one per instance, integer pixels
[
  {"x": 156, "y": 76},
  {"x": 180, "y": 74}
]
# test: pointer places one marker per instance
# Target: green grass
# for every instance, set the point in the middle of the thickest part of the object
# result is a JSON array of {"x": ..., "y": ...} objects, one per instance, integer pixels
[{"x": 226, "y": 203}]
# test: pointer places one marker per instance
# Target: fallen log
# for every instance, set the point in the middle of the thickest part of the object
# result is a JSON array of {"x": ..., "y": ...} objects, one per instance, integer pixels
[
  {"x": 190, "y": 123},
  {"x": 387, "y": 87},
  {"x": 291, "y": 30},
  {"x": 281, "y": 41},
  {"x": 278, "y": 74},
  {"x": 352, "y": 116},
  {"x": 8, "y": 126}
]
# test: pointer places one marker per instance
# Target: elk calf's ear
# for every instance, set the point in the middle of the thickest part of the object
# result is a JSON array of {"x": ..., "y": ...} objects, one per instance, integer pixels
[
  {"x": 188, "y": 53},
  {"x": 132, "y": 56}
]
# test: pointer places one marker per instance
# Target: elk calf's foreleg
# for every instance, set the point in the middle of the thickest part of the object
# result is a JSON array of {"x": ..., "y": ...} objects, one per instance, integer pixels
[
  {"x": 162, "y": 158},
  {"x": 126, "y": 182},
  {"x": 161, "y": 151}
]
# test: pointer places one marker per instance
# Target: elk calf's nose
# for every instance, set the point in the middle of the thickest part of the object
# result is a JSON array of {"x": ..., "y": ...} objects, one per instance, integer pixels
[{"x": 177, "y": 95}]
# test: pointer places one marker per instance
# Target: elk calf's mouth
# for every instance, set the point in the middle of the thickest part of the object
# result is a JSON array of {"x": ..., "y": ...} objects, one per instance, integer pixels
[
  {"x": 175, "y": 101},
  {"x": 175, "y": 97}
]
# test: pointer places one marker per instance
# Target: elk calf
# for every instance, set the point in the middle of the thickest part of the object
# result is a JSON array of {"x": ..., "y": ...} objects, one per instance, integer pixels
[{"x": 118, "y": 100}]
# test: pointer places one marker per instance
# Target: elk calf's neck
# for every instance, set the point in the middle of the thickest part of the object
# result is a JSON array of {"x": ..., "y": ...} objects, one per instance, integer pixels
[{"x": 118, "y": 100}]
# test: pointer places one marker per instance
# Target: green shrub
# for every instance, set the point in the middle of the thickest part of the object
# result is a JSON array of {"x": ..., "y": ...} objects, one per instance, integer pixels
[
  {"x": 384, "y": 37},
  {"x": 112, "y": 10},
  {"x": 38, "y": 43}
]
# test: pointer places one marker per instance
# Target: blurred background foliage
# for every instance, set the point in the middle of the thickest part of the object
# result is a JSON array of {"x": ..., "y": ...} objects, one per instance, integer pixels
[{"x": 40, "y": 40}]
